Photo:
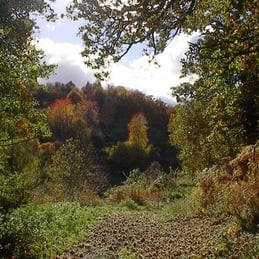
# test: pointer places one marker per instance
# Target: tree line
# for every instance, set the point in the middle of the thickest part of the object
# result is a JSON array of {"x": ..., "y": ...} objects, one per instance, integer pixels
[{"x": 127, "y": 128}]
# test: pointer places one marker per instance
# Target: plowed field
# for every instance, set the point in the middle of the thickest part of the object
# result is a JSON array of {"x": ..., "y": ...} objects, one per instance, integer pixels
[{"x": 149, "y": 235}]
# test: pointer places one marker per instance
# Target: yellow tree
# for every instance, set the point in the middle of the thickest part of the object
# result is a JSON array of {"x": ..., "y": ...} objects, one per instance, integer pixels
[
  {"x": 72, "y": 120},
  {"x": 138, "y": 130}
]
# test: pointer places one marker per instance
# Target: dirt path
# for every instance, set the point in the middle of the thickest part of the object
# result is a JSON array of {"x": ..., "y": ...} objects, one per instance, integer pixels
[
  {"x": 147, "y": 235},
  {"x": 130, "y": 235}
]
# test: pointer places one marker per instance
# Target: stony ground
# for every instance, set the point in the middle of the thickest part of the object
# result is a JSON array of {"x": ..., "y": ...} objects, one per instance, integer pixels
[{"x": 148, "y": 235}]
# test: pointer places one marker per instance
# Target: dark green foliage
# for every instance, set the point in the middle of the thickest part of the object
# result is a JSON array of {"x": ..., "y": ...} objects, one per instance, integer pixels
[
  {"x": 20, "y": 174},
  {"x": 75, "y": 169},
  {"x": 191, "y": 131},
  {"x": 117, "y": 106},
  {"x": 20, "y": 120},
  {"x": 126, "y": 156},
  {"x": 20, "y": 66}
]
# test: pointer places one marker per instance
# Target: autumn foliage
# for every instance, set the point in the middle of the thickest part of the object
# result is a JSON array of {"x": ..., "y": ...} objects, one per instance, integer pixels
[{"x": 233, "y": 188}]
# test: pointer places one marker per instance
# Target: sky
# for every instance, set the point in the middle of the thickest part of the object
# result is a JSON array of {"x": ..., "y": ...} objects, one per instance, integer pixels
[{"x": 62, "y": 46}]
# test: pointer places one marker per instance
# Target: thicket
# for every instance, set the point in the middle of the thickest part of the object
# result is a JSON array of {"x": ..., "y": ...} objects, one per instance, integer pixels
[
  {"x": 233, "y": 189},
  {"x": 152, "y": 187}
]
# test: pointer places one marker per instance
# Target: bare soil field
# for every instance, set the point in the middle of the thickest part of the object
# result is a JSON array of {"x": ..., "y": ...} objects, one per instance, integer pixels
[{"x": 148, "y": 234}]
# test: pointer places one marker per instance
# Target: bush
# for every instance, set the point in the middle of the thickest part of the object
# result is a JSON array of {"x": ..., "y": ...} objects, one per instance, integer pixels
[
  {"x": 137, "y": 193},
  {"x": 130, "y": 204},
  {"x": 74, "y": 174},
  {"x": 126, "y": 156},
  {"x": 144, "y": 188},
  {"x": 42, "y": 231},
  {"x": 233, "y": 189}
]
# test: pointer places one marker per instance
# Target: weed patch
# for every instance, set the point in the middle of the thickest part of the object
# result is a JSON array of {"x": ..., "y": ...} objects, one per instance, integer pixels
[{"x": 42, "y": 231}]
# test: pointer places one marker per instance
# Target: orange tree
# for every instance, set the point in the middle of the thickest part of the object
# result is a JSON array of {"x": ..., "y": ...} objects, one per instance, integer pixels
[{"x": 73, "y": 120}]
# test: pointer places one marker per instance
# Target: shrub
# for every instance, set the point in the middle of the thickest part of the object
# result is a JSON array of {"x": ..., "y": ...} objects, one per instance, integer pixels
[
  {"x": 139, "y": 194},
  {"x": 126, "y": 156},
  {"x": 130, "y": 204},
  {"x": 144, "y": 188},
  {"x": 42, "y": 231},
  {"x": 209, "y": 184},
  {"x": 74, "y": 174},
  {"x": 234, "y": 188}
]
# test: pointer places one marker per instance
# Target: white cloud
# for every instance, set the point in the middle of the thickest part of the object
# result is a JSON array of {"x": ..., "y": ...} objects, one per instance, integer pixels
[
  {"x": 67, "y": 56},
  {"x": 60, "y": 5},
  {"x": 150, "y": 78},
  {"x": 135, "y": 73},
  {"x": 61, "y": 46}
]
